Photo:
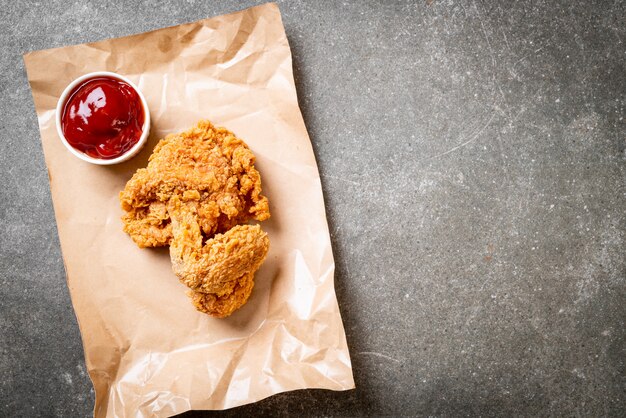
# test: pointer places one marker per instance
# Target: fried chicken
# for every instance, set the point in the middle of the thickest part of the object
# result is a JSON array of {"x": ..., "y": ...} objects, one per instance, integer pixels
[
  {"x": 206, "y": 165},
  {"x": 196, "y": 195},
  {"x": 220, "y": 272}
]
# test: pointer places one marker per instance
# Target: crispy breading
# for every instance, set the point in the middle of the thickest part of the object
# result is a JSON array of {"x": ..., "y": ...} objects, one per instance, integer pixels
[
  {"x": 220, "y": 272},
  {"x": 205, "y": 164},
  {"x": 223, "y": 306},
  {"x": 209, "y": 267},
  {"x": 199, "y": 190}
]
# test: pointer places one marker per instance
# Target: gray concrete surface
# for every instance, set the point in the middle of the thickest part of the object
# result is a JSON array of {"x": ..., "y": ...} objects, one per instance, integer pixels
[{"x": 473, "y": 162}]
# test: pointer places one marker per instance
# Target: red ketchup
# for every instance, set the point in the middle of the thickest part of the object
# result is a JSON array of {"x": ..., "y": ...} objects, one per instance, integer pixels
[{"x": 103, "y": 117}]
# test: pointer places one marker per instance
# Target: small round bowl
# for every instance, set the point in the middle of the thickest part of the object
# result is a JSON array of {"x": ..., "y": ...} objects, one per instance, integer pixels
[{"x": 128, "y": 154}]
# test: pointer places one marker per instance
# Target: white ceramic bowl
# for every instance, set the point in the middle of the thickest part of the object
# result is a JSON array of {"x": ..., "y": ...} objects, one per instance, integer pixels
[{"x": 128, "y": 154}]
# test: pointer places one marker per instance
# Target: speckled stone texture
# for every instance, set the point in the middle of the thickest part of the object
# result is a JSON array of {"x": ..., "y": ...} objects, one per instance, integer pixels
[{"x": 472, "y": 156}]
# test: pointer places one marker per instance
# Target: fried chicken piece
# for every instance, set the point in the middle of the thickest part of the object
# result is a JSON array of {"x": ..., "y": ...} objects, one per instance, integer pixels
[
  {"x": 205, "y": 164},
  {"x": 200, "y": 186},
  {"x": 216, "y": 265},
  {"x": 220, "y": 272}
]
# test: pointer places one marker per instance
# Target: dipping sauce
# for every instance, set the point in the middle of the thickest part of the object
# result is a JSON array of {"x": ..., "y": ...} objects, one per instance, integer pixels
[{"x": 103, "y": 117}]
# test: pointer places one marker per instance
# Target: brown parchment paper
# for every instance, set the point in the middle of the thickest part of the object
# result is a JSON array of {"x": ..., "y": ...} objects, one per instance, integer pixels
[{"x": 147, "y": 350}]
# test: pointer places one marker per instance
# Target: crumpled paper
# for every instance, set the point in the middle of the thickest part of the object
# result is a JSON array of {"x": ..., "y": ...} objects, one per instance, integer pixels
[{"x": 147, "y": 350}]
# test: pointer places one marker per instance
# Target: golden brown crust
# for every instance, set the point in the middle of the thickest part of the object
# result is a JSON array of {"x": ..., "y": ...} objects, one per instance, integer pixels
[
  {"x": 210, "y": 267},
  {"x": 224, "y": 305},
  {"x": 205, "y": 164},
  {"x": 200, "y": 186}
]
